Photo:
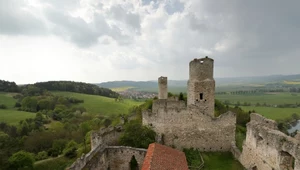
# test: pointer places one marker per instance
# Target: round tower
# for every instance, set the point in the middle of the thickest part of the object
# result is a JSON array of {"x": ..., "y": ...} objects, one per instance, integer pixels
[
  {"x": 201, "y": 85},
  {"x": 162, "y": 87}
]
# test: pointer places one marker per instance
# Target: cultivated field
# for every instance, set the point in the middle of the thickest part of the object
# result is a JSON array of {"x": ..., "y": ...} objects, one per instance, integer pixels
[
  {"x": 268, "y": 98},
  {"x": 102, "y": 105},
  {"x": 273, "y": 113}
]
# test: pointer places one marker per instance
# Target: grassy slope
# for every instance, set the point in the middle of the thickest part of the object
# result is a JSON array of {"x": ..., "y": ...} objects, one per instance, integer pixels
[
  {"x": 220, "y": 161},
  {"x": 59, "y": 163},
  {"x": 10, "y": 115},
  {"x": 102, "y": 105},
  {"x": 13, "y": 117},
  {"x": 7, "y": 99}
]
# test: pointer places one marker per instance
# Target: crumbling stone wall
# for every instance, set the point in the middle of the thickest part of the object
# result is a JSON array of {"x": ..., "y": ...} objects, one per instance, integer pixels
[
  {"x": 266, "y": 148},
  {"x": 187, "y": 127},
  {"x": 118, "y": 157},
  {"x": 103, "y": 155},
  {"x": 109, "y": 136}
]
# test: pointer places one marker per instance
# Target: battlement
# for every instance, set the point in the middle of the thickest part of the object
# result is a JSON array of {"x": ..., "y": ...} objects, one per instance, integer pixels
[{"x": 201, "y": 69}]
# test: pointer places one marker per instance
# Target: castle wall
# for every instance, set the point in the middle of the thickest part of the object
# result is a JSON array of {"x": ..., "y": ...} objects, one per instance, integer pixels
[
  {"x": 267, "y": 148},
  {"x": 108, "y": 136},
  {"x": 119, "y": 157},
  {"x": 187, "y": 127},
  {"x": 103, "y": 156}
]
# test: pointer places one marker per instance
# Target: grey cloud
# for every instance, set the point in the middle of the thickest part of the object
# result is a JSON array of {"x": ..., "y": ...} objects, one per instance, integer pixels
[
  {"x": 15, "y": 21},
  {"x": 76, "y": 29},
  {"x": 262, "y": 32},
  {"x": 119, "y": 13},
  {"x": 174, "y": 6}
]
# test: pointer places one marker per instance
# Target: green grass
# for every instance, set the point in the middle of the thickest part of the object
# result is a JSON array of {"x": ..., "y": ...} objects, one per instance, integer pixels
[
  {"x": 13, "y": 117},
  {"x": 270, "y": 98},
  {"x": 220, "y": 161},
  {"x": 273, "y": 112},
  {"x": 102, "y": 105},
  {"x": 7, "y": 99},
  {"x": 59, "y": 163}
]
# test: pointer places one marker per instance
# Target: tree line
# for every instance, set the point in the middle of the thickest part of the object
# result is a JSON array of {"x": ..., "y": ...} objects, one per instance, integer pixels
[{"x": 70, "y": 86}]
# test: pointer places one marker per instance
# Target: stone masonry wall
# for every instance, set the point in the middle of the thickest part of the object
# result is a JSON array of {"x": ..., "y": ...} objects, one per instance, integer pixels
[
  {"x": 266, "y": 148},
  {"x": 118, "y": 157},
  {"x": 109, "y": 136},
  {"x": 162, "y": 87},
  {"x": 187, "y": 127}
]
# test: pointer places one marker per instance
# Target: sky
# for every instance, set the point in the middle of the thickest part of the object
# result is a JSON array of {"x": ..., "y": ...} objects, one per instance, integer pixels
[{"x": 105, "y": 40}]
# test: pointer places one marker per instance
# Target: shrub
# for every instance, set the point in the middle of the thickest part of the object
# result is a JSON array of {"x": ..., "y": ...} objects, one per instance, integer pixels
[
  {"x": 137, "y": 135},
  {"x": 21, "y": 160},
  {"x": 2, "y": 106},
  {"x": 41, "y": 155}
]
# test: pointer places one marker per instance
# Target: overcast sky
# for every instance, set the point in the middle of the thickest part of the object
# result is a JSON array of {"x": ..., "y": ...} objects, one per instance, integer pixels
[{"x": 104, "y": 40}]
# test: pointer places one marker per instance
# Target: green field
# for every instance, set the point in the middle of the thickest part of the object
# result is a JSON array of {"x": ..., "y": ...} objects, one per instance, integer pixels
[
  {"x": 102, "y": 105},
  {"x": 269, "y": 98},
  {"x": 13, "y": 117},
  {"x": 7, "y": 99},
  {"x": 58, "y": 163},
  {"x": 272, "y": 112}
]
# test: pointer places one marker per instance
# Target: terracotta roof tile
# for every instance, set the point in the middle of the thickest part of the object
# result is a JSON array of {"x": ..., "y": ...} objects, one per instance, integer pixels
[{"x": 160, "y": 157}]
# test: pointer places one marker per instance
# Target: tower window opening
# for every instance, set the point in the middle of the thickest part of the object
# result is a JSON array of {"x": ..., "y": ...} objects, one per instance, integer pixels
[{"x": 201, "y": 96}]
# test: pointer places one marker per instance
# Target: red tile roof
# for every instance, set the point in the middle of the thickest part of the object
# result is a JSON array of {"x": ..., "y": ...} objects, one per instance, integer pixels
[{"x": 160, "y": 157}]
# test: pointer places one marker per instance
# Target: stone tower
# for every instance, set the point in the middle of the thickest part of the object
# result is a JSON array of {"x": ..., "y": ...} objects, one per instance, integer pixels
[
  {"x": 162, "y": 87},
  {"x": 201, "y": 85}
]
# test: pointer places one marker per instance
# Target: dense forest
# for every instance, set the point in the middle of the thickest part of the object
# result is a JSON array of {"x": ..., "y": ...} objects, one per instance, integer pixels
[{"x": 71, "y": 86}]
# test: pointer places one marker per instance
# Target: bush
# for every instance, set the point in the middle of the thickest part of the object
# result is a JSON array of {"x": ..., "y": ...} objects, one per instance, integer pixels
[
  {"x": 137, "y": 135},
  {"x": 41, "y": 155},
  {"x": 21, "y": 160},
  {"x": 70, "y": 150},
  {"x": 2, "y": 106}
]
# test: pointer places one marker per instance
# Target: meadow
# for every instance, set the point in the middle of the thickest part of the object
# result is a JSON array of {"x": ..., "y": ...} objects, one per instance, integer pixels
[
  {"x": 102, "y": 105},
  {"x": 273, "y": 112},
  {"x": 11, "y": 115},
  {"x": 220, "y": 161}
]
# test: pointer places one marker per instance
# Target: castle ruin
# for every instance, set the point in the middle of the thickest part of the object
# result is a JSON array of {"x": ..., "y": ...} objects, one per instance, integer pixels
[{"x": 193, "y": 125}]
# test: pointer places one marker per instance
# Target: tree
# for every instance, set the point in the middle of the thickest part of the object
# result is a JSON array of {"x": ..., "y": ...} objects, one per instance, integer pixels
[
  {"x": 21, "y": 160},
  {"x": 70, "y": 150},
  {"x": 181, "y": 96},
  {"x": 137, "y": 135}
]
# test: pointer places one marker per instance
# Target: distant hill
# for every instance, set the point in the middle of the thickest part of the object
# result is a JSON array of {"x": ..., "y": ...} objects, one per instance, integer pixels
[
  {"x": 78, "y": 87},
  {"x": 180, "y": 85}
]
